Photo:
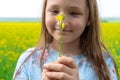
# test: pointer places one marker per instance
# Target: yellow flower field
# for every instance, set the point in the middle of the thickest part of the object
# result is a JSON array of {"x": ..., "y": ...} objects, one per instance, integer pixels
[{"x": 16, "y": 37}]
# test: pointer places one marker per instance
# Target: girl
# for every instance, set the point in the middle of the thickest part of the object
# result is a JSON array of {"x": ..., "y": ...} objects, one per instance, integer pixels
[{"x": 84, "y": 57}]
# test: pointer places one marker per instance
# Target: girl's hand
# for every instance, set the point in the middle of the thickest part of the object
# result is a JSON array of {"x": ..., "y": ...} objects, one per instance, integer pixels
[
  {"x": 44, "y": 77},
  {"x": 64, "y": 69}
]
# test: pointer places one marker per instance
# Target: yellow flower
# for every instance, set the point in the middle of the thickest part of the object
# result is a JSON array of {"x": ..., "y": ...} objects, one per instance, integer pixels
[
  {"x": 0, "y": 60},
  {"x": 63, "y": 25},
  {"x": 60, "y": 17}
]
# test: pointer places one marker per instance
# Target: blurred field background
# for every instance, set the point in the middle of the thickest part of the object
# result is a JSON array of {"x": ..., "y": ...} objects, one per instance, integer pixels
[{"x": 16, "y": 37}]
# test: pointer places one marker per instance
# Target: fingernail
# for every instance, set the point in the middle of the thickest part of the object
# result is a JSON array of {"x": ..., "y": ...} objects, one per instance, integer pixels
[{"x": 46, "y": 65}]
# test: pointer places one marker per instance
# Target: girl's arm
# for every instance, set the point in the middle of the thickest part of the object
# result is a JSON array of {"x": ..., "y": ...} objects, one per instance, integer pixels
[
  {"x": 111, "y": 68},
  {"x": 20, "y": 72}
]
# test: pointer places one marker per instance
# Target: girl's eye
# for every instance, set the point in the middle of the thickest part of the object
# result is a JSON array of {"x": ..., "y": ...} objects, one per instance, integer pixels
[
  {"x": 75, "y": 13},
  {"x": 54, "y": 11}
]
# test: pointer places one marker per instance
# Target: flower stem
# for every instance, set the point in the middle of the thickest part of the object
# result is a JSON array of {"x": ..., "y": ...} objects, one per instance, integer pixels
[{"x": 60, "y": 41}]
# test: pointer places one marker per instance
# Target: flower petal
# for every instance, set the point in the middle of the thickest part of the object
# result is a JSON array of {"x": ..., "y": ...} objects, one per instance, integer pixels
[{"x": 63, "y": 25}]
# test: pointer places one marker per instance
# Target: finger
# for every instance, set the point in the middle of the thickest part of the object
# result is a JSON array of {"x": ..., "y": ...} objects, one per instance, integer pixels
[
  {"x": 57, "y": 67},
  {"x": 58, "y": 75},
  {"x": 44, "y": 77},
  {"x": 67, "y": 61}
]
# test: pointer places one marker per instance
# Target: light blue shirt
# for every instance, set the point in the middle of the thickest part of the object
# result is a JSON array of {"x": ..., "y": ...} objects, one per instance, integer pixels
[{"x": 30, "y": 69}]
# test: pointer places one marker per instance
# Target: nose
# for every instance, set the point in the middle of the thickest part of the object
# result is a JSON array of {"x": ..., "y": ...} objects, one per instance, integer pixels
[{"x": 65, "y": 20}]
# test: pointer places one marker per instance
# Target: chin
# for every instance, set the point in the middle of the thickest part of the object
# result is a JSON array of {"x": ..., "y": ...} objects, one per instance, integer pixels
[{"x": 64, "y": 40}]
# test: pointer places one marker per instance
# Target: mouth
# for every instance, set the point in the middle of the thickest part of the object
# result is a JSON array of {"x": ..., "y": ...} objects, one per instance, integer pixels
[{"x": 64, "y": 30}]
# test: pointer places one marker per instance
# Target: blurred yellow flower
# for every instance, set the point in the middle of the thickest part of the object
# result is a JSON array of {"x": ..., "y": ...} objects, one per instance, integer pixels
[
  {"x": 116, "y": 42},
  {"x": 0, "y": 60},
  {"x": 63, "y": 25},
  {"x": 60, "y": 17}
]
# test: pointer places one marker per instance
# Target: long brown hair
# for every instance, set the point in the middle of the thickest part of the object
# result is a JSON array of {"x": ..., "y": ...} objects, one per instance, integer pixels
[{"x": 91, "y": 43}]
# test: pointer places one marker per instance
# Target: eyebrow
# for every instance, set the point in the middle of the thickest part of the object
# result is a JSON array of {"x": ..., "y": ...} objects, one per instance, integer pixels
[
  {"x": 76, "y": 8},
  {"x": 53, "y": 6},
  {"x": 71, "y": 7}
]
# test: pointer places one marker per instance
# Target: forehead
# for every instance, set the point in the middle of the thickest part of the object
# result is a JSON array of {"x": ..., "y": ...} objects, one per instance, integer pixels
[{"x": 67, "y": 3}]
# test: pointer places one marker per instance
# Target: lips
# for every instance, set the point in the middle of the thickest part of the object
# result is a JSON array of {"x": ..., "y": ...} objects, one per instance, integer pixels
[{"x": 64, "y": 30}]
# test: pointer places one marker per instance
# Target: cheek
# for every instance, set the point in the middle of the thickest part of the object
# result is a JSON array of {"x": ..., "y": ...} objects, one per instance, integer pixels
[
  {"x": 50, "y": 23},
  {"x": 78, "y": 26}
]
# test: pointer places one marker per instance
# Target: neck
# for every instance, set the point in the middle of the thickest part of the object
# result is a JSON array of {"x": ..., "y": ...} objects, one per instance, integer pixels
[{"x": 71, "y": 48}]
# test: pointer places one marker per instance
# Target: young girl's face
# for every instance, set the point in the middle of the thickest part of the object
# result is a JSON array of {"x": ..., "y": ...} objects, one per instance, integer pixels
[{"x": 76, "y": 18}]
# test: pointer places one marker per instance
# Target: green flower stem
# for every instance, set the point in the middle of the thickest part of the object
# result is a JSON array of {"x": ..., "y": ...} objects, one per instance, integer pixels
[
  {"x": 60, "y": 18},
  {"x": 60, "y": 41}
]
